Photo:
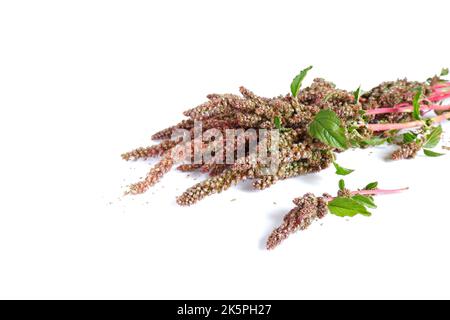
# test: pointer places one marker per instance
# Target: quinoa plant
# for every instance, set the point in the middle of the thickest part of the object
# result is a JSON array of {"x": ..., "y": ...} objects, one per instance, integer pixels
[{"x": 313, "y": 124}]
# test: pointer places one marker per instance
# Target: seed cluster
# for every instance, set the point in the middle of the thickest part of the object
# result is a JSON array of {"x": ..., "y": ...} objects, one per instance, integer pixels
[
  {"x": 149, "y": 152},
  {"x": 407, "y": 150},
  {"x": 155, "y": 174},
  {"x": 308, "y": 208}
]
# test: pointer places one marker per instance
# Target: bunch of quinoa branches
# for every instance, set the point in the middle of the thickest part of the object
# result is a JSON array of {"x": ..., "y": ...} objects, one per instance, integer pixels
[{"x": 311, "y": 126}]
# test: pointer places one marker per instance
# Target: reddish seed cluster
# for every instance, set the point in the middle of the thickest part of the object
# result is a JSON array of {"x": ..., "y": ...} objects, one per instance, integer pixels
[
  {"x": 149, "y": 152},
  {"x": 407, "y": 150},
  {"x": 154, "y": 175},
  {"x": 308, "y": 208}
]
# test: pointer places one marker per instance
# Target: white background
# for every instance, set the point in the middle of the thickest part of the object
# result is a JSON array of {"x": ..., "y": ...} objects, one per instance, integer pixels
[{"x": 83, "y": 81}]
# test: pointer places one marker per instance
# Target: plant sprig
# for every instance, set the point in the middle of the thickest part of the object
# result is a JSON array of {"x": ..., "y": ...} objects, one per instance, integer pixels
[{"x": 349, "y": 205}]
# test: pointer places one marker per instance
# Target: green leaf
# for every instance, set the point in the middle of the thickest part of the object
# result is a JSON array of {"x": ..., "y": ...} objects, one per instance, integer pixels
[
  {"x": 433, "y": 138},
  {"x": 347, "y": 207},
  {"x": 416, "y": 104},
  {"x": 341, "y": 184},
  {"x": 297, "y": 82},
  {"x": 354, "y": 143},
  {"x": 341, "y": 170},
  {"x": 430, "y": 153},
  {"x": 444, "y": 72},
  {"x": 409, "y": 137},
  {"x": 327, "y": 128},
  {"x": 371, "y": 186},
  {"x": 277, "y": 122},
  {"x": 364, "y": 200},
  {"x": 357, "y": 94},
  {"x": 375, "y": 141}
]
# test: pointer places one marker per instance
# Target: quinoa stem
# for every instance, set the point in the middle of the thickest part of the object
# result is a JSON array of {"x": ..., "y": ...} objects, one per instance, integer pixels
[
  {"x": 441, "y": 85},
  {"x": 378, "y": 191},
  {"x": 406, "y": 125},
  {"x": 373, "y": 192},
  {"x": 407, "y": 108},
  {"x": 439, "y": 96}
]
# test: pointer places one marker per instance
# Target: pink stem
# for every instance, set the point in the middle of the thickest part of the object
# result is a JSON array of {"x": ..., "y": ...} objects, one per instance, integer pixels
[
  {"x": 441, "y": 118},
  {"x": 441, "y": 90},
  {"x": 406, "y": 125},
  {"x": 395, "y": 126},
  {"x": 441, "y": 85},
  {"x": 373, "y": 192},
  {"x": 439, "y": 97},
  {"x": 407, "y": 108}
]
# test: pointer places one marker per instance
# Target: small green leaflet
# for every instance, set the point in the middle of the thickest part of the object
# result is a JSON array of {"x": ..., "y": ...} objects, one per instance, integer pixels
[
  {"x": 341, "y": 184},
  {"x": 416, "y": 104},
  {"x": 354, "y": 143},
  {"x": 357, "y": 94},
  {"x": 341, "y": 170},
  {"x": 371, "y": 186},
  {"x": 347, "y": 207},
  {"x": 433, "y": 138},
  {"x": 354, "y": 136},
  {"x": 409, "y": 137},
  {"x": 444, "y": 72},
  {"x": 297, "y": 82},
  {"x": 430, "y": 153},
  {"x": 375, "y": 141},
  {"x": 277, "y": 122},
  {"x": 364, "y": 200},
  {"x": 327, "y": 128}
]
